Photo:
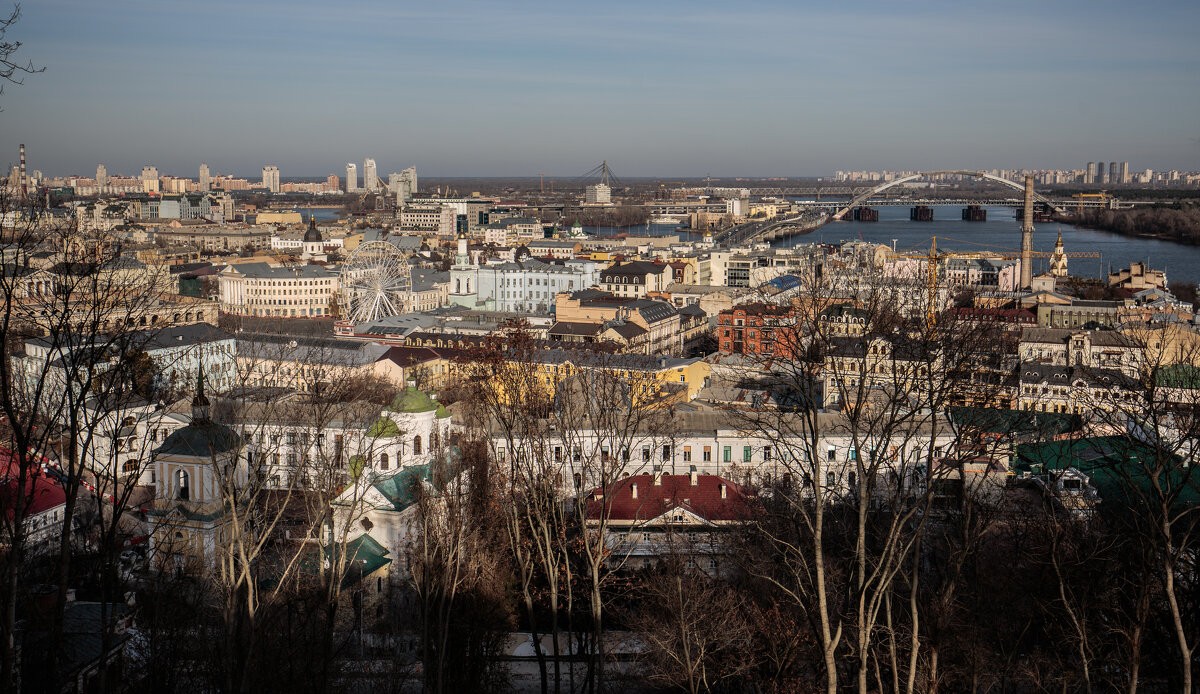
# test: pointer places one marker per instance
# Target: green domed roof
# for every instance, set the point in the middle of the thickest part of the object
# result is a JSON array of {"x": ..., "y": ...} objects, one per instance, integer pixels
[
  {"x": 383, "y": 428},
  {"x": 441, "y": 411},
  {"x": 412, "y": 400}
]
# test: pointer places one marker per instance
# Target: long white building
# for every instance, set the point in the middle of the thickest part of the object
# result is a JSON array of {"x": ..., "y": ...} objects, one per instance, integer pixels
[
  {"x": 726, "y": 444},
  {"x": 259, "y": 289}
]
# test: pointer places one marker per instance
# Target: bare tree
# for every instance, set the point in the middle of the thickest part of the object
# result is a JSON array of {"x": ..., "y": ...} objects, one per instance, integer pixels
[
  {"x": 507, "y": 398},
  {"x": 695, "y": 626},
  {"x": 600, "y": 416},
  {"x": 11, "y": 69},
  {"x": 77, "y": 310},
  {"x": 1152, "y": 464},
  {"x": 454, "y": 567},
  {"x": 865, "y": 444}
]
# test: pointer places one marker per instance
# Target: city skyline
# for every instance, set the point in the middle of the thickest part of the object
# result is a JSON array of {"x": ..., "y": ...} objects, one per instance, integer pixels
[{"x": 671, "y": 90}]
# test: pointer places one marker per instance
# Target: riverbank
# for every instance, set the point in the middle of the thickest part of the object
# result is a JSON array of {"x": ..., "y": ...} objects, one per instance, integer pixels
[{"x": 1178, "y": 223}]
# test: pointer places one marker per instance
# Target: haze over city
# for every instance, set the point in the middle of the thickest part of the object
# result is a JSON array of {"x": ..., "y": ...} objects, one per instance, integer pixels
[{"x": 684, "y": 89}]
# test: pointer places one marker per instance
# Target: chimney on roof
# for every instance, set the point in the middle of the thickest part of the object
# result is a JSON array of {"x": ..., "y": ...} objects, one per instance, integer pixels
[
  {"x": 724, "y": 492},
  {"x": 695, "y": 476},
  {"x": 657, "y": 475},
  {"x": 633, "y": 489}
]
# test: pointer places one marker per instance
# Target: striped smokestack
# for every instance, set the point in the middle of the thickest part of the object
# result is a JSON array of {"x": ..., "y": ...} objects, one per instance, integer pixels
[
  {"x": 1027, "y": 237},
  {"x": 24, "y": 185}
]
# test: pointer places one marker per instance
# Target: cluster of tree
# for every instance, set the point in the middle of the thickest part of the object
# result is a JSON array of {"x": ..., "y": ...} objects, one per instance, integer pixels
[
  {"x": 920, "y": 576},
  {"x": 1179, "y": 222},
  {"x": 622, "y": 216}
]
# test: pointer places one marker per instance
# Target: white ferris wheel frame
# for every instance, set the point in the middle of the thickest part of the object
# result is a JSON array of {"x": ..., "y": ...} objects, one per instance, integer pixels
[{"x": 376, "y": 282}]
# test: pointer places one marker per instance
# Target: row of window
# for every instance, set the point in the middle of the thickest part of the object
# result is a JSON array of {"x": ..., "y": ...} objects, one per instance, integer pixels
[{"x": 747, "y": 453}]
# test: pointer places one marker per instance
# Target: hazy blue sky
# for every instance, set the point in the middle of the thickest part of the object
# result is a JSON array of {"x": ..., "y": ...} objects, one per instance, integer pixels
[{"x": 656, "y": 88}]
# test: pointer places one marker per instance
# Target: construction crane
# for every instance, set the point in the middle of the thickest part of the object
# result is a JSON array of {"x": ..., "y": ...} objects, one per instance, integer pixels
[
  {"x": 1102, "y": 196},
  {"x": 931, "y": 260},
  {"x": 932, "y": 257}
]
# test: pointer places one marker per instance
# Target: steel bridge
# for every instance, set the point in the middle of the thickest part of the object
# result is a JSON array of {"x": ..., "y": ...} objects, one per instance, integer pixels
[
  {"x": 818, "y": 213},
  {"x": 863, "y": 197},
  {"x": 958, "y": 202}
]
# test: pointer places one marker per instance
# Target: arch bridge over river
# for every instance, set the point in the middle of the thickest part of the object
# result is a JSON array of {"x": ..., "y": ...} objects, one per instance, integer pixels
[{"x": 819, "y": 213}]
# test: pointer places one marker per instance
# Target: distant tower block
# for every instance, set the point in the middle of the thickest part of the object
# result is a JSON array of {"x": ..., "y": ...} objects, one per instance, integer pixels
[
  {"x": 1027, "y": 236},
  {"x": 370, "y": 176},
  {"x": 1058, "y": 261},
  {"x": 101, "y": 176},
  {"x": 204, "y": 177},
  {"x": 351, "y": 177}
]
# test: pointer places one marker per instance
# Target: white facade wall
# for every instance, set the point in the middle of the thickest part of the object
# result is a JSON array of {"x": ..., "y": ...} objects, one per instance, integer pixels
[
  {"x": 529, "y": 288},
  {"x": 732, "y": 454}
]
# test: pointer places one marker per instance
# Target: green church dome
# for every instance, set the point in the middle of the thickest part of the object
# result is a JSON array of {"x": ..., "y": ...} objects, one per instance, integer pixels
[{"x": 412, "y": 400}]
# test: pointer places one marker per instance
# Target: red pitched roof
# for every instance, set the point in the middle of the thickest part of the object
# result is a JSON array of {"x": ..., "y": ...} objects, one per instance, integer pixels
[
  {"x": 41, "y": 491},
  {"x": 703, "y": 498}
]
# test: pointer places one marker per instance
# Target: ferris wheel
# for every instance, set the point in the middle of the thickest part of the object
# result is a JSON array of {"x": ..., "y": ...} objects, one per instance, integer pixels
[{"x": 376, "y": 282}]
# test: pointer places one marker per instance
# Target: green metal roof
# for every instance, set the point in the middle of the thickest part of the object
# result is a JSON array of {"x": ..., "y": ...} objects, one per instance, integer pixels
[
  {"x": 412, "y": 400},
  {"x": 1178, "y": 376},
  {"x": 383, "y": 428},
  {"x": 1015, "y": 422},
  {"x": 1114, "y": 463},
  {"x": 401, "y": 488},
  {"x": 365, "y": 557}
]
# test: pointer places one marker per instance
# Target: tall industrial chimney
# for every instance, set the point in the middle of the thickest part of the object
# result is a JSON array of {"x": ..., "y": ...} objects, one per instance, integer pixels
[
  {"x": 1027, "y": 236},
  {"x": 24, "y": 185}
]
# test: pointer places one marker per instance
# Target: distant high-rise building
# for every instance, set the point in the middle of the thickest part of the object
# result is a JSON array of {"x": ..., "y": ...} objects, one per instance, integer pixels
[
  {"x": 404, "y": 185},
  {"x": 1114, "y": 172},
  {"x": 1125, "y": 173},
  {"x": 204, "y": 178},
  {"x": 370, "y": 176},
  {"x": 1090, "y": 176},
  {"x": 101, "y": 176},
  {"x": 351, "y": 177},
  {"x": 270, "y": 178},
  {"x": 598, "y": 194},
  {"x": 409, "y": 176},
  {"x": 333, "y": 182},
  {"x": 150, "y": 180},
  {"x": 1101, "y": 173}
]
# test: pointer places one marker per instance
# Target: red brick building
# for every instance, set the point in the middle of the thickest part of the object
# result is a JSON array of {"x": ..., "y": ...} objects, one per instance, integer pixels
[{"x": 759, "y": 329}]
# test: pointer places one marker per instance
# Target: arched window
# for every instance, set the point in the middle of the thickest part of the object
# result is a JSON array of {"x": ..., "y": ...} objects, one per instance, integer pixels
[
  {"x": 383, "y": 461},
  {"x": 416, "y": 445},
  {"x": 181, "y": 484}
]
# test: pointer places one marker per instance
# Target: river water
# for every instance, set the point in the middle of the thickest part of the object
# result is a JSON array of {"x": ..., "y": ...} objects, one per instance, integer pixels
[{"x": 1001, "y": 233}]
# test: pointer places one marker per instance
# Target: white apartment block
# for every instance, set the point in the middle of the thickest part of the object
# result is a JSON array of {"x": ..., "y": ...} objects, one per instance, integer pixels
[
  {"x": 437, "y": 219},
  {"x": 526, "y": 286},
  {"x": 370, "y": 176}
]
